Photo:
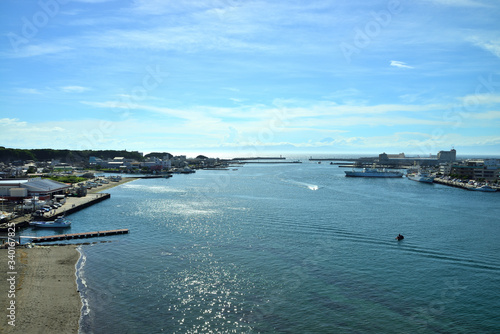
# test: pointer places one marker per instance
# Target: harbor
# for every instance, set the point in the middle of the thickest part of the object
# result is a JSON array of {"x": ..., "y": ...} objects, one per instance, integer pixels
[
  {"x": 465, "y": 185},
  {"x": 74, "y": 204},
  {"x": 145, "y": 225},
  {"x": 71, "y": 205}
]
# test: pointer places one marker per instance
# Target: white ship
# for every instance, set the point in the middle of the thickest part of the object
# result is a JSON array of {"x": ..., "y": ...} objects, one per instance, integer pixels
[
  {"x": 58, "y": 222},
  {"x": 373, "y": 172},
  {"x": 421, "y": 177}
]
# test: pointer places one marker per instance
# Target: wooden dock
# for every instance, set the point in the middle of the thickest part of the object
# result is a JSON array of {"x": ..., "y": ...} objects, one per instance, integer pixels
[{"x": 79, "y": 235}]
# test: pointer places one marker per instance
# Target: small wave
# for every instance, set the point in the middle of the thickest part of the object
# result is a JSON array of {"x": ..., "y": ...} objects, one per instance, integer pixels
[
  {"x": 82, "y": 285},
  {"x": 461, "y": 260},
  {"x": 331, "y": 233}
]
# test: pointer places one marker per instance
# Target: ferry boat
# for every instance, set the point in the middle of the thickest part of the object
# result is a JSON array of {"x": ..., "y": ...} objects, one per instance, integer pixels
[
  {"x": 421, "y": 177},
  {"x": 373, "y": 172},
  {"x": 57, "y": 223}
]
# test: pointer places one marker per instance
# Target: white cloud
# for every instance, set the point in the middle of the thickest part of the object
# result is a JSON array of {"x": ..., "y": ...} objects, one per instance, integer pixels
[
  {"x": 29, "y": 91},
  {"x": 400, "y": 64},
  {"x": 488, "y": 115},
  {"x": 74, "y": 89},
  {"x": 92, "y": 1},
  {"x": 489, "y": 44},
  {"x": 473, "y": 100},
  {"x": 11, "y": 122},
  {"x": 38, "y": 50},
  {"x": 132, "y": 134},
  {"x": 458, "y": 3}
]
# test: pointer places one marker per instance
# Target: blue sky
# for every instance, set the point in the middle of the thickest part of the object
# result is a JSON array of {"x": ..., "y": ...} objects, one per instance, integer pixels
[{"x": 251, "y": 77}]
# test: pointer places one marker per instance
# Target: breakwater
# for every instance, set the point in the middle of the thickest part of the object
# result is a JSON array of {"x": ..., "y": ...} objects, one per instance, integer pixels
[
  {"x": 453, "y": 184},
  {"x": 84, "y": 235},
  {"x": 259, "y": 158},
  {"x": 74, "y": 204},
  {"x": 458, "y": 184},
  {"x": 272, "y": 162}
]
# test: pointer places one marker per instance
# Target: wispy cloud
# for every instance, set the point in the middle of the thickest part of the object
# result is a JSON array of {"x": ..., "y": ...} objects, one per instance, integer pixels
[
  {"x": 458, "y": 3},
  {"x": 29, "y": 50},
  {"x": 489, "y": 44},
  {"x": 480, "y": 99},
  {"x": 488, "y": 115},
  {"x": 29, "y": 91},
  {"x": 74, "y": 89},
  {"x": 9, "y": 122},
  {"x": 400, "y": 64},
  {"x": 247, "y": 67},
  {"x": 93, "y": 1}
]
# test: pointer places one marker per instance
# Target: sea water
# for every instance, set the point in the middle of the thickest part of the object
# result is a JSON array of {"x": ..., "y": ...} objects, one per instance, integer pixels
[{"x": 291, "y": 248}]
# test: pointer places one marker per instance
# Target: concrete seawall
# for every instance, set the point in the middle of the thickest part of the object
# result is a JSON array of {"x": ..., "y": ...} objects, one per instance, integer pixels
[{"x": 74, "y": 204}]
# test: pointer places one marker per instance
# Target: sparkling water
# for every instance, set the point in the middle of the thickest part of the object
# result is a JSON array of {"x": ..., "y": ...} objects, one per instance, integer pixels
[{"x": 291, "y": 248}]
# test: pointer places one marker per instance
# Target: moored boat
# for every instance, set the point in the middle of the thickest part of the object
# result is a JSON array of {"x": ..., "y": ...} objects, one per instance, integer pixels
[
  {"x": 57, "y": 223},
  {"x": 421, "y": 177},
  {"x": 485, "y": 188}
]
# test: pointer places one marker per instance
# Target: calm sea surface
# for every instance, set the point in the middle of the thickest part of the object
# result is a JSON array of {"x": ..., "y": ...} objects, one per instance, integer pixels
[{"x": 291, "y": 248}]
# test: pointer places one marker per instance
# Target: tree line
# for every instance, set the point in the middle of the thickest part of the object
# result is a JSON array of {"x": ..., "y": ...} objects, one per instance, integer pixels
[{"x": 68, "y": 156}]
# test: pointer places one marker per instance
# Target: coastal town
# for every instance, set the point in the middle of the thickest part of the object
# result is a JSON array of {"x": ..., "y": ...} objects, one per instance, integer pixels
[
  {"x": 39, "y": 193},
  {"x": 43, "y": 190}
]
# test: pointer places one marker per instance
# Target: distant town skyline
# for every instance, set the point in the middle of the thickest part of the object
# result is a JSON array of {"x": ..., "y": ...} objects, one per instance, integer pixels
[{"x": 249, "y": 78}]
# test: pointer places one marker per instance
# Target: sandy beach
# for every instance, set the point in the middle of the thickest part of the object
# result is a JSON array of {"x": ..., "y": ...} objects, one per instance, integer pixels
[{"x": 46, "y": 297}]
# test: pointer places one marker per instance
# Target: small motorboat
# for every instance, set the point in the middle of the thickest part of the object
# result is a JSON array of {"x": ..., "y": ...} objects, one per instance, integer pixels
[
  {"x": 57, "y": 223},
  {"x": 399, "y": 237}
]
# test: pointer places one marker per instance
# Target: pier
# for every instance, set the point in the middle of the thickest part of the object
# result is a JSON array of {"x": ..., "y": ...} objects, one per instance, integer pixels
[
  {"x": 79, "y": 235},
  {"x": 272, "y": 162},
  {"x": 74, "y": 204},
  {"x": 259, "y": 158},
  {"x": 459, "y": 184}
]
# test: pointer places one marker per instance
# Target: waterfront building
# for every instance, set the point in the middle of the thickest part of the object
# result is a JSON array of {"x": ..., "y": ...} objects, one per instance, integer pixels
[
  {"x": 445, "y": 168},
  {"x": 402, "y": 160},
  {"x": 477, "y": 169},
  {"x": 115, "y": 163},
  {"x": 24, "y": 188},
  {"x": 447, "y": 156},
  {"x": 156, "y": 163},
  {"x": 179, "y": 161}
]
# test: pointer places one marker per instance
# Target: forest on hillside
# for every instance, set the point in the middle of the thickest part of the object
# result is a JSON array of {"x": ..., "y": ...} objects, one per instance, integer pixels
[{"x": 67, "y": 156}]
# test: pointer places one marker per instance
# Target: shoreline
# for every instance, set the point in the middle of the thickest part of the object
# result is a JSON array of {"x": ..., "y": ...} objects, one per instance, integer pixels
[
  {"x": 111, "y": 185},
  {"x": 46, "y": 298}
]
